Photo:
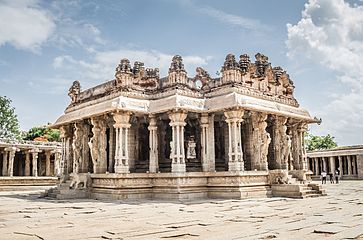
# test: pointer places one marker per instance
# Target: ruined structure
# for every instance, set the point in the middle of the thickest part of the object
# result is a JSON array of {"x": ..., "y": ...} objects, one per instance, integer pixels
[
  {"x": 347, "y": 160},
  {"x": 28, "y": 164},
  {"x": 142, "y": 136}
]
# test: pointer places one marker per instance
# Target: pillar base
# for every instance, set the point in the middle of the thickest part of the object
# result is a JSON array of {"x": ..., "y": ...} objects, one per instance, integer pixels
[
  {"x": 153, "y": 168},
  {"x": 206, "y": 168},
  {"x": 178, "y": 167},
  {"x": 122, "y": 169},
  {"x": 235, "y": 166}
]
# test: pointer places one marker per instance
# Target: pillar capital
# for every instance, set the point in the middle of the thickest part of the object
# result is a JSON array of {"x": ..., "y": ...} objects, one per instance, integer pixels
[
  {"x": 234, "y": 115},
  {"x": 177, "y": 118}
]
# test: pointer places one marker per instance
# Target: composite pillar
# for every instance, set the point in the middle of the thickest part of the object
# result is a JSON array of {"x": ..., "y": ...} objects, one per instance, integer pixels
[
  {"x": 261, "y": 141},
  {"x": 235, "y": 154},
  {"x": 11, "y": 150},
  {"x": 324, "y": 164},
  {"x": 340, "y": 166},
  {"x": 97, "y": 145},
  {"x": 177, "y": 152},
  {"x": 47, "y": 163},
  {"x": 316, "y": 166},
  {"x": 153, "y": 144},
  {"x": 205, "y": 142},
  {"x": 35, "y": 153},
  {"x": 57, "y": 161},
  {"x": 332, "y": 164},
  {"x": 27, "y": 163},
  {"x": 349, "y": 165},
  {"x": 122, "y": 127},
  {"x": 5, "y": 163}
]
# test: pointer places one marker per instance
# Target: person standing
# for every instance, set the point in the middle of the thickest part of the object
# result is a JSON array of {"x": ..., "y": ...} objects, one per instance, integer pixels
[
  {"x": 336, "y": 176},
  {"x": 323, "y": 177},
  {"x": 331, "y": 177}
]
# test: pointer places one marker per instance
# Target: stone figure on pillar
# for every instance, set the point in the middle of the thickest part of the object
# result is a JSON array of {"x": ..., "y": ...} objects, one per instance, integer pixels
[
  {"x": 191, "y": 153},
  {"x": 74, "y": 91}
]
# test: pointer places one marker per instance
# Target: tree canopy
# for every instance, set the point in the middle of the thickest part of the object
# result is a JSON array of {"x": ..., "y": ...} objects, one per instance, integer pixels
[
  {"x": 9, "y": 124},
  {"x": 42, "y": 133},
  {"x": 319, "y": 142}
]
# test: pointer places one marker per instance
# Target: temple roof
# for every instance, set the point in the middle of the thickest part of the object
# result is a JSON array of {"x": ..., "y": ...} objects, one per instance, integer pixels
[{"x": 253, "y": 86}]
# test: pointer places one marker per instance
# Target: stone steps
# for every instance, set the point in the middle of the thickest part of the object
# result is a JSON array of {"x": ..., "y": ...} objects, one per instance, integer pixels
[{"x": 63, "y": 191}]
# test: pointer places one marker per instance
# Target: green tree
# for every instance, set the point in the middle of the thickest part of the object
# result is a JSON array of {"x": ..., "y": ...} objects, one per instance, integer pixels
[
  {"x": 9, "y": 124},
  {"x": 51, "y": 135},
  {"x": 319, "y": 142}
]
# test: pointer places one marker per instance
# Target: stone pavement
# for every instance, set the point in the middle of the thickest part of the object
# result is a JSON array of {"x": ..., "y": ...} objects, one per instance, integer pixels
[{"x": 336, "y": 216}]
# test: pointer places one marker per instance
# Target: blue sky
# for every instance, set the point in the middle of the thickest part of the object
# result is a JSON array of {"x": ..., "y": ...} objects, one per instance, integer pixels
[{"x": 46, "y": 45}]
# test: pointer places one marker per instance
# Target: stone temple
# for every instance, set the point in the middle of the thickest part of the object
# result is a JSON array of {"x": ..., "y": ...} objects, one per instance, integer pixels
[{"x": 180, "y": 137}]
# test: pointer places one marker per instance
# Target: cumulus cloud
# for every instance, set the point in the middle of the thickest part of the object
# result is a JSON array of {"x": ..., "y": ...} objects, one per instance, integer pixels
[
  {"x": 331, "y": 33},
  {"x": 103, "y": 64},
  {"x": 24, "y": 25}
]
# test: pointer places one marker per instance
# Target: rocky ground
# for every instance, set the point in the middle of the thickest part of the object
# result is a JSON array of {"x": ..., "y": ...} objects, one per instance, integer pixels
[{"x": 23, "y": 215}]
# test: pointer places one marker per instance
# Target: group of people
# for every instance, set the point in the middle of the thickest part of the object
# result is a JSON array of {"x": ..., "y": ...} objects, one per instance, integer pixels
[{"x": 324, "y": 176}]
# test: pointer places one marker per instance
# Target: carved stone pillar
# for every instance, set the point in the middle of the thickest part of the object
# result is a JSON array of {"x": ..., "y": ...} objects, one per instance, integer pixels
[
  {"x": 122, "y": 126},
  {"x": 34, "y": 153},
  {"x": 261, "y": 141},
  {"x": 67, "y": 153},
  {"x": 349, "y": 165},
  {"x": 302, "y": 158},
  {"x": 211, "y": 142},
  {"x": 5, "y": 163},
  {"x": 112, "y": 145},
  {"x": 27, "y": 163},
  {"x": 235, "y": 154},
  {"x": 332, "y": 164},
  {"x": 57, "y": 161},
  {"x": 77, "y": 146},
  {"x": 11, "y": 150},
  {"x": 97, "y": 145},
  {"x": 153, "y": 144},
  {"x": 205, "y": 142},
  {"x": 281, "y": 146},
  {"x": 316, "y": 166},
  {"x": 340, "y": 166},
  {"x": 177, "y": 154},
  {"x": 47, "y": 163},
  {"x": 325, "y": 167}
]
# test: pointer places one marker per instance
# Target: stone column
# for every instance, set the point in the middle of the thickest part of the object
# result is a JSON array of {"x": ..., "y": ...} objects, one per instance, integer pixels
[
  {"x": 122, "y": 126},
  {"x": 282, "y": 147},
  {"x": 316, "y": 166},
  {"x": 47, "y": 163},
  {"x": 77, "y": 146},
  {"x": 35, "y": 152},
  {"x": 211, "y": 142},
  {"x": 332, "y": 164},
  {"x": 5, "y": 163},
  {"x": 349, "y": 161},
  {"x": 97, "y": 145},
  {"x": 177, "y": 154},
  {"x": 57, "y": 162},
  {"x": 340, "y": 165},
  {"x": 67, "y": 153},
  {"x": 302, "y": 157},
  {"x": 27, "y": 163},
  {"x": 204, "y": 142},
  {"x": 11, "y": 150},
  {"x": 324, "y": 164},
  {"x": 111, "y": 144},
  {"x": 153, "y": 144},
  {"x": 261, "y": 141},
  {"x": 235, "y": 154}
]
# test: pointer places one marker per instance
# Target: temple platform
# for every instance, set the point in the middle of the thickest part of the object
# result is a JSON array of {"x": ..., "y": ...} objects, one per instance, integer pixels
[{"x": 27, "y": 183}]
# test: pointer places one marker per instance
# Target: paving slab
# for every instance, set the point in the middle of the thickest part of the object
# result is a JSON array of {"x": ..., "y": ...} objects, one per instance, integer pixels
[{"x": 24, "y": 215}]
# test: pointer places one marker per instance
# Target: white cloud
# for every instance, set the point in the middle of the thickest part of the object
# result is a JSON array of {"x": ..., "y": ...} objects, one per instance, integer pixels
[
  {"x": 331, "y": 33},
  {"x": 231, "y": 19},
  {"x": 24, "y": 24},
  {"x": 103, "y": 64}
]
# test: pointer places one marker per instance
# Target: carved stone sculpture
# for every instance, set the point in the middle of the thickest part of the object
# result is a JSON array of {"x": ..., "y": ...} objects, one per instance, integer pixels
[
  {"x": 74, "y": 91},
  {"x": 244, "y": 63},
  {"x": 261, "y": 64}
]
